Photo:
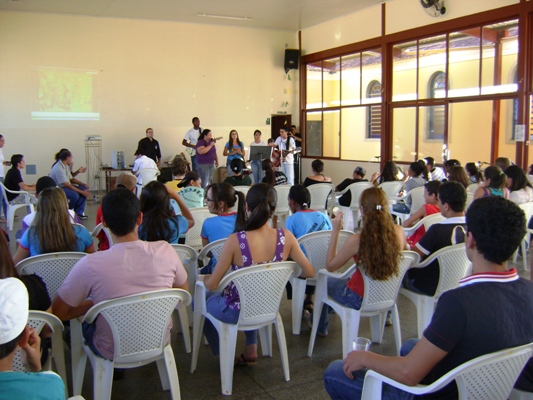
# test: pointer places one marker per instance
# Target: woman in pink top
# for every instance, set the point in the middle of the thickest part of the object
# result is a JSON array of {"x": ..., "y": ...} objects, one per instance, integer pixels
[{"x": 376, "y": 249}]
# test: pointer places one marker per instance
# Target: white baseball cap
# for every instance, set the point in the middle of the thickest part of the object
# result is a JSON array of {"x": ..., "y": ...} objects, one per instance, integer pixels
[{"x": 14, "y": 309}]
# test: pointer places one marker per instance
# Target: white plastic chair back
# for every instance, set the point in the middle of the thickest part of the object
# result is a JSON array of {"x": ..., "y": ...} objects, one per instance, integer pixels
[
  {"x": 215, "y": 248},
  {"x": 192, "y": 237},
  {"x": 282, "y": 207},
  {"x": 417, "y": 198},
  {"x": 520, "y": 394},
  {"x": 352, "y": 213},
  {"x": 148, "y": 175},
  {"x": 391, "y": 188},
  {"x": 469, "y": 199},
  {"x": 189, "y": 259},
  {"x": 426, "y": 222},
  {"x": 320, "y": 192},
  {"x": 243, "y": 189},
  {"x": 53, "y": 268},
  {"x": 472, "y": 188},
  {"x": 12, "y": 208},
  {"x": 139, "y": 323},
  {"x": 37, "y": 320},
  {"x": 528, "y": 211},
  {"x": 99, "y": 228},
  {"x": 490, "y": 376},
  {"x": 381, "y": 295}
]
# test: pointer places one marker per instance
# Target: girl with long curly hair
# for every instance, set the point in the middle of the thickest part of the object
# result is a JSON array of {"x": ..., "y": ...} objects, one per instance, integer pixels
[{"x": 376, "y": 249}]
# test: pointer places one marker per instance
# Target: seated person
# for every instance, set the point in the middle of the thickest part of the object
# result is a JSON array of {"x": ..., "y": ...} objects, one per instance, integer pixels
[
  {"x": 77, "y": 192},
  {"x": 13, "y": 181},
  {"x": 179, "y": 169},
  {"x": 129, "y": 267},
  {"x": 435, "y": 173},
  {"x": 142, "y": 162},
  {"x": 124, "y": 180},
  {"x": 431, "y": 206},
  {"x": 160, "y": 222},
  {"x": 318, "y": 175},
  {"x": 273, "y": 177},
  {"x": 237, "y": 177},
  {"x": 493, "y": 184},
  {"x": 52, "y": 230},
  {"x": 414, "y": 180},
  {"x": 191, "y": 190},
  {"x": 479, "y": 317},
  {"x": 452, "y": 202},
  {"x": 358, "y": 176},
  {"x": 15, "y": 333}
]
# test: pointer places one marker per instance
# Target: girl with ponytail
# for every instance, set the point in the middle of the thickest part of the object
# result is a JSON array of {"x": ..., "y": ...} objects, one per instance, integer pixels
[
  {"x": 493, "y": 185},
  {"x": 376, "y": 248},
  {"x": 257, "y": 243}
]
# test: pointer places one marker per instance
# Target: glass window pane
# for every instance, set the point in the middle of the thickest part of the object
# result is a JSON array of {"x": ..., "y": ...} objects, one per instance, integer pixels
[
  {"x": 331, "y": 78},
  {"x": 464, "y": 62},
  {"x": 404, "y": 134},
  {"x": 431, "y": 122},
  {"x": 314, "y": 134},
  {"x": 314, "y": 85},
  {"x": 469, "y": 138},
  {"x": 355, "y": 144},
  {"x": 431, "y": 61},
  {"x": 508, "y": 120},
  {"x": 331, "y": 135},
  {"x": 501, "y": 40},
  {"x": 371, "y": 71},
  {"x": 351, "y": 79},
  {"x": 404, "y": 65}
]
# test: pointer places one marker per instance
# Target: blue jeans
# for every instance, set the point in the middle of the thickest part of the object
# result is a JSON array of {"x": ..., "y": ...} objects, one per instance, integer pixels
[
  {"x": 193, "y": 164},
  {"x": 256, "y": 171},
  {"x": 228, "y": 168},
  {"x": 206, "y": 173},
  {"x": 343, "y": 295},
  {"x": 217, "y": 307},
  {"x": 75, "y": 200},
  {"x": 339, "y": 386},
  {"x": 88, "y": 331}
]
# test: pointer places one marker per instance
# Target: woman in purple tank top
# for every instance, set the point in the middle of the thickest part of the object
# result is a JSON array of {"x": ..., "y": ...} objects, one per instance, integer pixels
[{"x": 257, "y": 244}]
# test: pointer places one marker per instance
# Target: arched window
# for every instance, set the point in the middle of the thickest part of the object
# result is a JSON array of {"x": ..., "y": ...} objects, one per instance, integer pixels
[
  {"x": 435, "y": 114},
  {"x": 373, "y": 124}
]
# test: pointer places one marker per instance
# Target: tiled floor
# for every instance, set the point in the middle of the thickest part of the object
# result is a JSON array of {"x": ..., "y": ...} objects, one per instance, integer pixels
[{"x": 261, "y": 381}]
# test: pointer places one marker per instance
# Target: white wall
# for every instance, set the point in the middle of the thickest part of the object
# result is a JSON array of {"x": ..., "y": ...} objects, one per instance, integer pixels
[{"x": 157, "y": 74}]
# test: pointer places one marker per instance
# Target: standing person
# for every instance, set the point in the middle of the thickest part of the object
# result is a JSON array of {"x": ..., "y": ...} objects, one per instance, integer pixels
[
  {"x": 190, "y": 140},
  {"x": 256, "y": 164},
  {"x": 77, "y": 192},
  {"x": 191, "y": 190},
  {"x": 479, "y": 317},
  {"x": 130, "y": 266},
  {"x": 286, "y": 145},
  {"x": 234, "y": 149},
  {"x": 13, "y": 181},
  {"x": 257, "y": 243},
  {"x": 3, "y": 204},
  {"x": 206, "y": 156},
  {"x": 150, "y": 147},
  {"x": 295, "y": 135}
]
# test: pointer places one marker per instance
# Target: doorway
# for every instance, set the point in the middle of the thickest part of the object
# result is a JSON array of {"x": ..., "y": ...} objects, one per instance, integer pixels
[{"x": 278, "y": 122}]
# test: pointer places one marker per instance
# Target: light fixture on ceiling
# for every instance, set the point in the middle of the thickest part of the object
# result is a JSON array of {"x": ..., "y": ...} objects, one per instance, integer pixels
[{"x": 225, "y": 17}]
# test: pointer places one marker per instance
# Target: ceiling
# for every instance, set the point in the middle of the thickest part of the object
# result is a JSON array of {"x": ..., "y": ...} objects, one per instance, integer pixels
[{"x": 291, "y": 15}]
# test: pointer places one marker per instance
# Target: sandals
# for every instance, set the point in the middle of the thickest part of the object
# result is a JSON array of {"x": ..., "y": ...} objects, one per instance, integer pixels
[{"x": 241, "y": 360}]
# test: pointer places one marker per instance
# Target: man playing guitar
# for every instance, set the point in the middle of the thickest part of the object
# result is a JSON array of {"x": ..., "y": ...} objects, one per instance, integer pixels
[
  {"x": 190, "y": 139},
  {"x": 287, "y": 147}
]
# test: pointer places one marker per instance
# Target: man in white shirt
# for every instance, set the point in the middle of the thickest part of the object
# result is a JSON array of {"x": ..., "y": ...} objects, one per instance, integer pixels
[
  {"x": 286, "y": 144},
  {"x": 190, "y": 139},
  {"x": 142, "y": 162}
]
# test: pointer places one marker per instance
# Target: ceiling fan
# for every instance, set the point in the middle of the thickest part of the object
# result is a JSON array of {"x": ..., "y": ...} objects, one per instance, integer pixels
[{"x": 434, "y": 8}]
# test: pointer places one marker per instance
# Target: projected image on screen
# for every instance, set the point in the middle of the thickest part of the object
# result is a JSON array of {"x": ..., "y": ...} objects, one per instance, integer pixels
[{"x": 65, "y": 94}]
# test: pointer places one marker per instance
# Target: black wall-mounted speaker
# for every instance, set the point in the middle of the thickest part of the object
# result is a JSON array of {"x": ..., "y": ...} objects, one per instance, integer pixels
[{"x": 292, "y": 56}]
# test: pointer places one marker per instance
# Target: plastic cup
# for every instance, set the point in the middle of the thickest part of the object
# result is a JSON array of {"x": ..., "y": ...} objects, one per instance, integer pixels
[{"x": 361, "y": 343}]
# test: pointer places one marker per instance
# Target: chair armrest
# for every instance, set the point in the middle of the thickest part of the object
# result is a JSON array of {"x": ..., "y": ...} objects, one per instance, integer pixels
[
  {"x": 412, "y": 229},
  {"x": 346, "y": 274},
  {"x": 373, "y": 380}
]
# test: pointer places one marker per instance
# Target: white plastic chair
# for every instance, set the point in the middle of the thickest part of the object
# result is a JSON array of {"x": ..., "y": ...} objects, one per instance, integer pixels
[
  {"x": 528, "y": 211},
  {"x": 53, "y": 268},
  {"x": 379, "y": 298},
  {"x": 453, "y": 266},
  {"x": 139, "y": 324},
  {"x": 352, "y": 213},
  {"x": 315, "y": 246},
  {"x": 37, "y": 320},
  {"x": 392, "y": 188},
  {"x": 472, "y": 188},
  {"x": 282, "y": 208},
  {"x": 147, "y": 175},
  {"x": 520, "y": 394},
  {"x": 12, "y": 208},
  {"x": 490, "y": 376},
  {"x": 243, "y": 189},
  {"x": 469, "y": 199},
  {"x": 260, "y": 290},
  {"x": 320, "y": 195},
  {"x": 189, "y": 259},
  {"x": 427, "y": 221},
  {"x": 215, "y": 248},
  {"x": 192, "y": 237},
  {"x": 417, "y": 201},
  {"x": 99, "y": 228}
]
